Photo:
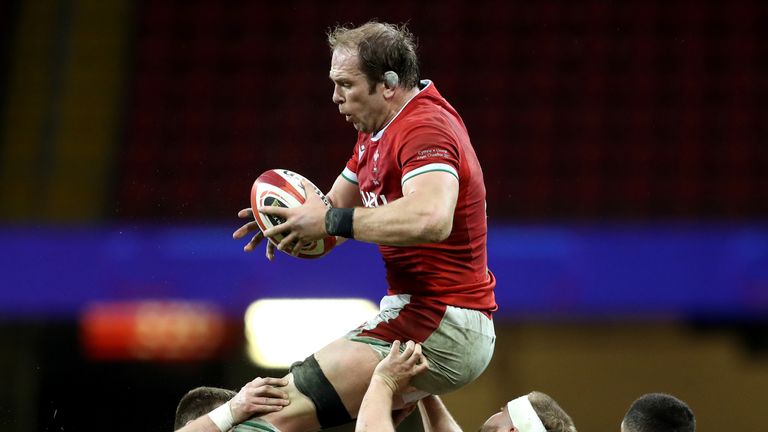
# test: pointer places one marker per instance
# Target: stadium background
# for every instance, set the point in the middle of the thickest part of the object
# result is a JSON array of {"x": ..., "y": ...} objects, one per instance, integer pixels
[{"x": 624, "y": 146}]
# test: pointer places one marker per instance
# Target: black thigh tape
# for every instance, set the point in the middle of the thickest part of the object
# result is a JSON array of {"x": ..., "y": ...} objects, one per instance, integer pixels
[{"x": 311, "y": 381}]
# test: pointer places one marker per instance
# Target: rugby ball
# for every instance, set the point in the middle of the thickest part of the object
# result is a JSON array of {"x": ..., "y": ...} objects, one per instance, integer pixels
[{"x": 283, "y": 188}]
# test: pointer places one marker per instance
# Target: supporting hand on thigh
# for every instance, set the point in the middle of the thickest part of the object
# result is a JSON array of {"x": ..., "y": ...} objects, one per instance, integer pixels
[{"x": 397, "y": 369}]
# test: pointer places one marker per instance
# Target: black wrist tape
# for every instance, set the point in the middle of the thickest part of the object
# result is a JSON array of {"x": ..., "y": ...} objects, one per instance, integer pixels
[{"x": 338, "y": 222}]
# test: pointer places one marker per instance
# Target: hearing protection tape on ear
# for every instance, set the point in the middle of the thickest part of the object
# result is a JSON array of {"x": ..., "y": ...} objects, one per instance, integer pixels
[{"x": 391, "y": 79}]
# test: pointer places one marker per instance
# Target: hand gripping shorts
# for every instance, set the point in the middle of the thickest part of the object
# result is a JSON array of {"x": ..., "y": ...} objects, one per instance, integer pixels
[{"x": 458, "y": 343}]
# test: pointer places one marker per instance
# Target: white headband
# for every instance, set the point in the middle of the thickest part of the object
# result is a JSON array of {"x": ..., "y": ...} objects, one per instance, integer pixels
[{"x": 524, "y": 416}]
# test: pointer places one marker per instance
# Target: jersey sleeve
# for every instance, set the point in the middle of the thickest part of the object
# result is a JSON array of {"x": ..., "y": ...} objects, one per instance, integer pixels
[{"x": 426, "y": 149}]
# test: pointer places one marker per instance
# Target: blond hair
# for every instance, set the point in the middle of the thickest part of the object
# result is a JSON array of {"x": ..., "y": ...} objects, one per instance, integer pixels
[
  {"x": 380, "y": 47},
  {"x": 555, "y": 418}
]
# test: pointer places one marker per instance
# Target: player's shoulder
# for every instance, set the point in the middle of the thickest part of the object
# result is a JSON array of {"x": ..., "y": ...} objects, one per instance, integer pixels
[{"x": 424, "y": 117}]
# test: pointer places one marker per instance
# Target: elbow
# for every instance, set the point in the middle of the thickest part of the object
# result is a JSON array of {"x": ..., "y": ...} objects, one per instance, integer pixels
[{"x": 436, "y": 228}]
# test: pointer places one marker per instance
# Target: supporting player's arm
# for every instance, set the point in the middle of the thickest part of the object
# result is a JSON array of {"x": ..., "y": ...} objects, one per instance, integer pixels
[
  {"x": 391, "y": 376},
  {"x": 260, "y": 396},
  {"x": 423, "y": 215},
  {"x": 435, "y": 416}
]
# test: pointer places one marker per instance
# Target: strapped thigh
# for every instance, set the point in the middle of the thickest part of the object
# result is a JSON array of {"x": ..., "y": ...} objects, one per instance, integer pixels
[{"x": 312, "y": 382}]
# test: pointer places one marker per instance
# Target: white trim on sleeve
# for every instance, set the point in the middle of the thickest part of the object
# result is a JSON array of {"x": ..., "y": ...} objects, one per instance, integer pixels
[
  {"x": 349, "y": 175},
  {"x": 429, "y": 168}
]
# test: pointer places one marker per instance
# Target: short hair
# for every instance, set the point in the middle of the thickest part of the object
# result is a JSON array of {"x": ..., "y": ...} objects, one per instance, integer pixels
[
  {"x": 659, "y": 412},
  {"x": 380, "y": 47},
  {"x": 554, "y": 418},
  {"x": 198, "y": 402}
]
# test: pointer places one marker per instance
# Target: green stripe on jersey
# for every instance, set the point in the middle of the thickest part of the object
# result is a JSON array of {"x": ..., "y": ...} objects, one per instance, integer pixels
[
  {"x": 349, "y": 179},
  {"x": 430, "y": 168}
]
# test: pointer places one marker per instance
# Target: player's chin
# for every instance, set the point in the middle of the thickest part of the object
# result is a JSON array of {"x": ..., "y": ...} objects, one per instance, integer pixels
[{"x": 362, "y": 128}]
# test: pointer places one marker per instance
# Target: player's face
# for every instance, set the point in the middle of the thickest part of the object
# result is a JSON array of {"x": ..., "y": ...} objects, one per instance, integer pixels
[
  {"x": 499, "y": 422},
  {"x": 367, "y": 112}
]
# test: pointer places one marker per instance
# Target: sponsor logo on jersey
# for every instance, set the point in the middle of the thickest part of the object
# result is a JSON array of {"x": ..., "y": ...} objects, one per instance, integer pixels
[{"x": 371, "y": 199}]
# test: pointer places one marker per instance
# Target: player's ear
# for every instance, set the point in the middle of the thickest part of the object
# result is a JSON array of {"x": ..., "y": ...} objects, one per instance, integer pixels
[{"x": 388, "y": 93}]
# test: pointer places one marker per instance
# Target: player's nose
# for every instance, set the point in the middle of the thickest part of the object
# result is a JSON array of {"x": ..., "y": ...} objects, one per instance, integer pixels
[{"x": 336, "y": 97}]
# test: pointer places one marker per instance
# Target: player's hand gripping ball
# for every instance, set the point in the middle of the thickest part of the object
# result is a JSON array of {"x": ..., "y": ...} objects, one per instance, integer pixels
[{"x": 282, "y": 188}]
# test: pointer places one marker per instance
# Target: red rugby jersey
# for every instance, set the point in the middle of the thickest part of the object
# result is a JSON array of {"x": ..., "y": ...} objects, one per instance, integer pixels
[{"x": 428, "y": 135}]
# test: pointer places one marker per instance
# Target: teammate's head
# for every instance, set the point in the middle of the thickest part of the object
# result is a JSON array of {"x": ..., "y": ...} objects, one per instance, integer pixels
[
  {"x": 380, "y": 47},
  {"x": 658, "y": 412},
  {"x": 530, "y": 413},
  {"x": 551, "y": 414},
  {"x": 198, "y": 402}
]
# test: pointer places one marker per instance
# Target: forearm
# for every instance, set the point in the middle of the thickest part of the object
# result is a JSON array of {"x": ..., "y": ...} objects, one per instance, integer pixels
[
  {"x": 436, "y": 417},
  {"x": 375, "y": 413},
  {"x": 403, "y": 222}
]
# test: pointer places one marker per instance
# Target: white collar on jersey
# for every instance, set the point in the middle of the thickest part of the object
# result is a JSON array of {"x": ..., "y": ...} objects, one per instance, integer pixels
[{"x": 377, "y": 136}]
